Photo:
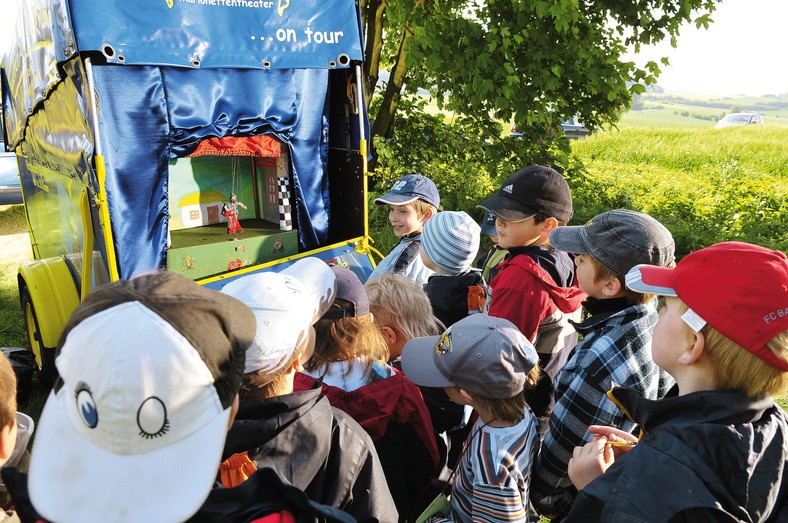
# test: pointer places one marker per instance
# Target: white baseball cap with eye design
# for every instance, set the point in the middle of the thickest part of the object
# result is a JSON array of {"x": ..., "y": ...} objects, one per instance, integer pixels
[{"x": 135, "y": 427}]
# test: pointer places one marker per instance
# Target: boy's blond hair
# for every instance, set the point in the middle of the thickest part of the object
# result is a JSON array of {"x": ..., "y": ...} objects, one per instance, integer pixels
[
  {"x": 398, "y": 302},
  {"x": 347, "y": 339},
  {"x": 510, "y": 409},
  {"x": 7, "y": 393},
  {"x": 734, "y": 367},
  {"x": 251, "y": 389},
  {"x": 602, "y": 273},
  {"x": 421, "y": 207}
]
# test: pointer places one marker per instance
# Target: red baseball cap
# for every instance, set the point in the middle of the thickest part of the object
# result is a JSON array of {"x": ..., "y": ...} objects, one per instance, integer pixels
[{"x": 738, "y": 288}]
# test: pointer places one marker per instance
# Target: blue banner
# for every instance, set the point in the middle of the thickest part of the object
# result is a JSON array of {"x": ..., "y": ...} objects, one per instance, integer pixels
[{"x": 256, "y": 34}]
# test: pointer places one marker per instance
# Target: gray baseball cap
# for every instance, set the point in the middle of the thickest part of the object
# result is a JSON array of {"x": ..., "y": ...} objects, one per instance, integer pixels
[
  {"x": 483, "y": 355},
  {"x": 619, "y": 240}
]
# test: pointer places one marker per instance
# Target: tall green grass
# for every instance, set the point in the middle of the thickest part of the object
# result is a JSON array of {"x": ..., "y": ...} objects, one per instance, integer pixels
[{"x": 705, "y": 185}]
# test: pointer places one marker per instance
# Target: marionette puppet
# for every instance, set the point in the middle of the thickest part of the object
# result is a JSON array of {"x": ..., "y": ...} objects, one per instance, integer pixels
[{"x": 230, "y": 211}]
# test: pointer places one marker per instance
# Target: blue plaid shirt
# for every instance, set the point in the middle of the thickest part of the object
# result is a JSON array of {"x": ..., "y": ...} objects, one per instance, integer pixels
[{"x": 616, "y": 349}]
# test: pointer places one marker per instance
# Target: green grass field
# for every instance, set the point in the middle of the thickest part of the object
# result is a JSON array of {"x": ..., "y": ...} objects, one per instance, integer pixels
[
  {"x": 706, "y": 185},
  {"x": 688, "y": 110}
]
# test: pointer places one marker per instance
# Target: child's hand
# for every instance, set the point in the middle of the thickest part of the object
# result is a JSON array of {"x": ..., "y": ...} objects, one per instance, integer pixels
[
  {"x": 590, "y": 461},
  {"x": 620, "y": 441}
]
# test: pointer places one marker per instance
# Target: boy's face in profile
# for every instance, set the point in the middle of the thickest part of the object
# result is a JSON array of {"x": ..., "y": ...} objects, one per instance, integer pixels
[
  {"x": 404, "y": 220},
  {"x": 586, "y": 277},
  {"x": 671, "y": 336},
  {"x": 518, "y": 234}
]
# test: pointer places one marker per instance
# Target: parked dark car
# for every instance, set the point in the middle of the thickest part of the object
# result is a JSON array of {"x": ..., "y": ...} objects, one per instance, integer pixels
[
  {"x": 10, "y": 188},
  {"x": 574, "y": 129}
]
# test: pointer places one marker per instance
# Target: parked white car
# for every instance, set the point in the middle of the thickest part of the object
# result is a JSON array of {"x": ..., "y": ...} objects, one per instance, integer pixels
[{"x": 739, "y": 119}]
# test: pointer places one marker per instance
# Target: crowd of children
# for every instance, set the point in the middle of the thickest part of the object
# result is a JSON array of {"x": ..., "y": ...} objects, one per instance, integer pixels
[{"x": 540, "y": 379}]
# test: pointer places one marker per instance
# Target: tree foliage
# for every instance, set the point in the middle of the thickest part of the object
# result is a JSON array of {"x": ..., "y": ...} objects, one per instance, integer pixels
[{"x": 527, "y": 61}]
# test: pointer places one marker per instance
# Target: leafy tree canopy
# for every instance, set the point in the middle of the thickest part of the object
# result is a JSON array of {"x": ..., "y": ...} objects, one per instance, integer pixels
[{"x": 528, "y": 61}]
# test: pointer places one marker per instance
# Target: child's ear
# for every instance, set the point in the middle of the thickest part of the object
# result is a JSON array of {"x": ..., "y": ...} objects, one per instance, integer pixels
[
  {"x": 694, "y": 350},
  {"x": 389, "y": 334},
  {"x": 427, "y": 215},
  {"x": 466, "y": 396},
  {"x": 612, "y": 287},
  {"x": 547, "y": 226},
  {"x": 7, "y": 441}
]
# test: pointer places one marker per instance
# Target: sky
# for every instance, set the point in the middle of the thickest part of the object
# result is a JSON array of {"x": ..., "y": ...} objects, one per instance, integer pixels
[{"x": 738, "y": 54}]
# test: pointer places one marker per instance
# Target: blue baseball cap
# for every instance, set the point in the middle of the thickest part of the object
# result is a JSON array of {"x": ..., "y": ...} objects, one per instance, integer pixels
[
  {"x": 488, "y": 224},
  {"x": 410, "y": 188}
]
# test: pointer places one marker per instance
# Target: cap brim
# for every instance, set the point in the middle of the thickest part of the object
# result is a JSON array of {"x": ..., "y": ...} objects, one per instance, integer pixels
[
  {"x": 651, "y": 279},
  {"x": 395, "y": 199},
  {"x": 569, "y": 239},
  {"x": 507, "y": 209},
  {"x": 72, "y": 479},
  {"x": 318, "y": 278},
  {"x": 418, "y": 363}
]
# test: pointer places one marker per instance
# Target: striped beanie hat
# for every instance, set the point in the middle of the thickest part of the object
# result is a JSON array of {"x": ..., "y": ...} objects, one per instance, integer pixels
[{"x": 451, "y": 240}]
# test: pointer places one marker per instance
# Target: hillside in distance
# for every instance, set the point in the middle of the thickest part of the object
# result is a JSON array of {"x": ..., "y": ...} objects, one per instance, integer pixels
[{"x": 659, "y": 108}]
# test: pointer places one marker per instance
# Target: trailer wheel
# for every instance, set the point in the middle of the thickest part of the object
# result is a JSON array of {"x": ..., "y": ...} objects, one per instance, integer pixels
[{"x": 45, "y": 356}]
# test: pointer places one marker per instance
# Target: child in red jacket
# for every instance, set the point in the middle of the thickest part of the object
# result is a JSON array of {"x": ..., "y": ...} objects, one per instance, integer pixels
[{"x": 535, "y": 285}]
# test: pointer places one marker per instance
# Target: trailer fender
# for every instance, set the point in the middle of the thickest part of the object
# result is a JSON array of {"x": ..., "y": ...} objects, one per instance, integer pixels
[{"x": 48, "y": 294}]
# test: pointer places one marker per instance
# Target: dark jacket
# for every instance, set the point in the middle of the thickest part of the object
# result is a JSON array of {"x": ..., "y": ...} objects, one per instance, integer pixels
[
  {"x": 448, "y": 295},
  {"x": 706, "y": 456},
  {"x": 263, "y": 494},
  {"x": 393, "y": 413},
  {"x": 317, "y": 448}
]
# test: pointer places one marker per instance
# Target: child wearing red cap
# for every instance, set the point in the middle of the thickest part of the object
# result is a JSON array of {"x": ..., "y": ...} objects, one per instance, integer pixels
[{"x": 716, "y": 448}]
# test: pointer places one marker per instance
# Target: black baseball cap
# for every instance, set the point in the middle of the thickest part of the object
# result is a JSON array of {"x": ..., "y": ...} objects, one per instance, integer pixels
[{"x": 531, "y": 190}]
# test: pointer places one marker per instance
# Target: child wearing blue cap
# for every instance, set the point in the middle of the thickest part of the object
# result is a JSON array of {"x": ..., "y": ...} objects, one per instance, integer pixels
[{"x": 412, "y": 200}]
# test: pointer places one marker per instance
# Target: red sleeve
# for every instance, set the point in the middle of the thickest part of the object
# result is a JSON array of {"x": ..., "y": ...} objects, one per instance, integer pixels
[{"x": 521, "y": 299}]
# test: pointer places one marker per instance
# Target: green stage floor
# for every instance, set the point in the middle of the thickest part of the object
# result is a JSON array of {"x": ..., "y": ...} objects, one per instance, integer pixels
[
  {"x": 218, "y": 232},
  {"x": 208, "y": 250}
]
